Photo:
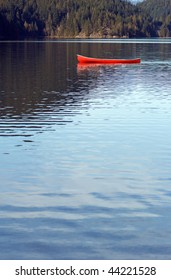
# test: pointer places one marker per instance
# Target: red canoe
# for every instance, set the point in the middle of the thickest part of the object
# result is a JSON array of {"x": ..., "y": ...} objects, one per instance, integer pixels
[{"x": 85, "y": 59}]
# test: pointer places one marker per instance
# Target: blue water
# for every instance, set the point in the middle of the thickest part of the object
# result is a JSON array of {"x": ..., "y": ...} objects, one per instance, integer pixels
[{"x": 85, "y": 155}]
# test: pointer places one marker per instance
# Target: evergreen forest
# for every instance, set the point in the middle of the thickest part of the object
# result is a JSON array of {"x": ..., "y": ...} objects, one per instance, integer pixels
[{"x": 84, "y": 18}]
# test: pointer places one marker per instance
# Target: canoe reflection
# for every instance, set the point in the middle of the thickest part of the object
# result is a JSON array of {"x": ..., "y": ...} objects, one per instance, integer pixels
[{"x": 92, "y": 66}]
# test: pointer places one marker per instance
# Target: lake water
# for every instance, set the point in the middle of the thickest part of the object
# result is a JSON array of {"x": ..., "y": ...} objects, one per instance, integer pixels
[{"x": 85, "y": 152}]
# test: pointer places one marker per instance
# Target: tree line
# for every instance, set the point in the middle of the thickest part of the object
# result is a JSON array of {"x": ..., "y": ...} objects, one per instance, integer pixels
[{"x": 84, "y": 18}]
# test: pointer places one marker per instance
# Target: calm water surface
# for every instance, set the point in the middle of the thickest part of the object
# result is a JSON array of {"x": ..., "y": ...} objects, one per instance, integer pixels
[{"x": 85, "y": 152}]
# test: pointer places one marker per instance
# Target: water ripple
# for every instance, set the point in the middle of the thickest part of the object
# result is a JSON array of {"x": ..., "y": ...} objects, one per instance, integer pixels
[{"x": 85, "y": 152}]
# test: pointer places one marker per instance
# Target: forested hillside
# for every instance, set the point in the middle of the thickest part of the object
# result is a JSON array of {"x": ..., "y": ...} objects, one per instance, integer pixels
[
  {"x": 160, "y": 11},
  {"x": 81, "y": 18}
]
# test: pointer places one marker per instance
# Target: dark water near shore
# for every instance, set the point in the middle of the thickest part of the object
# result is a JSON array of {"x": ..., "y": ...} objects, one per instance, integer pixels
[{"x": 85, "y": 152}]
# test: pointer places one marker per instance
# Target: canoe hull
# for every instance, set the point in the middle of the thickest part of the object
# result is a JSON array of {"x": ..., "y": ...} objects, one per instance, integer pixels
[{"x": 85, "y": 59}]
